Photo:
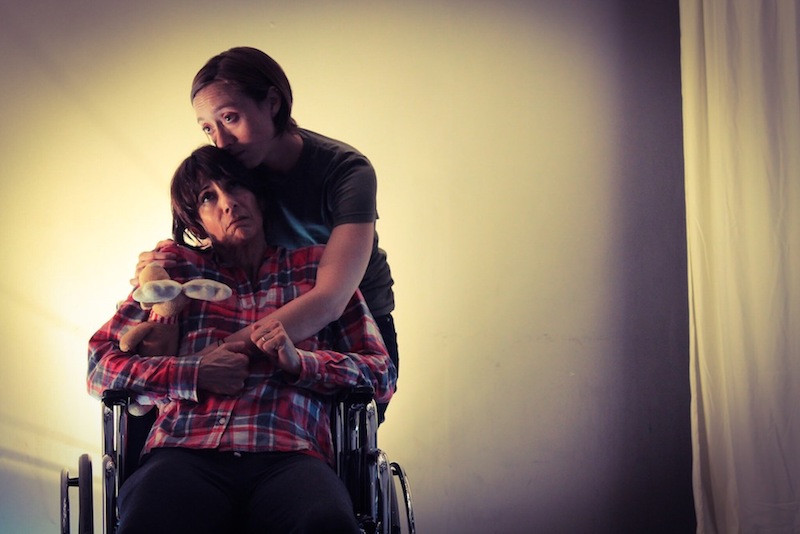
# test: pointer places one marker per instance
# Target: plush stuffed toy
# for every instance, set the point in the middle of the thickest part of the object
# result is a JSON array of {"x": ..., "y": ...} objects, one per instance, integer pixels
[{"x": 166, "y": 298}]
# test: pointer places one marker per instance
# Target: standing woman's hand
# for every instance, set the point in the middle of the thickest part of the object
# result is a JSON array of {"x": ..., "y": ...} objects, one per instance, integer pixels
[
  {"x": 165, "y": 259},
  {"x": 271, "y": 338}
]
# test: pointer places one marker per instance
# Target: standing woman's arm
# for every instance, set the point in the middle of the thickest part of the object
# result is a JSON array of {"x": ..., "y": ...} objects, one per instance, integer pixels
[{"x": 340, "y": 271}]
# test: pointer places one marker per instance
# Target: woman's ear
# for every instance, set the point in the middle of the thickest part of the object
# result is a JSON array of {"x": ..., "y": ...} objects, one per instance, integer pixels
[{"x": 273, "y": 101}]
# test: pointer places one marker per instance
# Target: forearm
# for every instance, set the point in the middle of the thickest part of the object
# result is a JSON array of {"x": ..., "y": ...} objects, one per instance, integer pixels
[
  {"x": 154, "y": 377},
  {"x": 328, "y": 372},
  {"x": 350, "y": 353},
  {"x": 304, "y": 316}
]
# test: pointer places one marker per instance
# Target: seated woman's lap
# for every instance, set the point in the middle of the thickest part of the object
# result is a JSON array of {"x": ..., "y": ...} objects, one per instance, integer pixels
[
  {"x": 302, "y": 494},
  {"x": 178, "y": 490}
]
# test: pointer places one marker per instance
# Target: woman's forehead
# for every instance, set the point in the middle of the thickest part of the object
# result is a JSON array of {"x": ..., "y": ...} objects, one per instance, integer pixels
[
  {"x": 223, "y": 182},
  {"x": 204, "y": 180}
]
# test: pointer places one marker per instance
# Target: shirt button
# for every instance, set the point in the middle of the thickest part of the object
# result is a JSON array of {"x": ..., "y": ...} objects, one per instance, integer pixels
[
  {"x": 318, "y": 377},
  {"x": 222, "y": 421}
]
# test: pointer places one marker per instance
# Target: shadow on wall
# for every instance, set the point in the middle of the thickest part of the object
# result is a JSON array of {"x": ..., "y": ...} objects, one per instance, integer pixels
[{"x": 655, "y": 454}]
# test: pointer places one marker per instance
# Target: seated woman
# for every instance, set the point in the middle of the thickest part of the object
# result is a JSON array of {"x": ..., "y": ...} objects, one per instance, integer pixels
[{"x": 242, "y": 439}]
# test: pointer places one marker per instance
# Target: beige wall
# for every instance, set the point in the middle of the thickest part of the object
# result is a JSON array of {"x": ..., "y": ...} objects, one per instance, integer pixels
[{"x": 530, "y": 193}]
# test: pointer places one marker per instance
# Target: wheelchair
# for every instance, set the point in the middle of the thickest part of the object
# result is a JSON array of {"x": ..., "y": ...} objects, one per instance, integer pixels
[{"x": 362, "y": 466}]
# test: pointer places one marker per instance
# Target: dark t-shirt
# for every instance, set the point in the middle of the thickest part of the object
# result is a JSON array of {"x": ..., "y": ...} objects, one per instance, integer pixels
[{"x": 331, "y": 184}]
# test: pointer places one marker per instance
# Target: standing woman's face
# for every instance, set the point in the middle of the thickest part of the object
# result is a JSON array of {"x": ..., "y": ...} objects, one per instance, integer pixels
[{"x": 236, "y": 122}]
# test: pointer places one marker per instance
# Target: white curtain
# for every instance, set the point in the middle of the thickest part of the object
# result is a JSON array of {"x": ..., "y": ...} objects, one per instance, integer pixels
[{"x": 742, "y": 151}]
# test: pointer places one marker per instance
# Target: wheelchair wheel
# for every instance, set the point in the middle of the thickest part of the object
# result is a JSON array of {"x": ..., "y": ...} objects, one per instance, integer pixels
[
  {"x": 85, "y": 511},
  {"x": 64, "y": 501},
  {"x": 400, "y": 473}
]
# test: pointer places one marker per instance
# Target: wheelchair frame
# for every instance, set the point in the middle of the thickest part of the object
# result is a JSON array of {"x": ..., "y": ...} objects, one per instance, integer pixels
[{"x": 362, "y": 466}]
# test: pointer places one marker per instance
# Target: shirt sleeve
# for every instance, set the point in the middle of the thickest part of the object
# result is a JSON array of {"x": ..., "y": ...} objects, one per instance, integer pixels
[
  {"x": 353, "y": 190},
  {"x": 156, "y": 377},
  {"x": 167, "y": 377},
  {"x": 355, "y": 356}
]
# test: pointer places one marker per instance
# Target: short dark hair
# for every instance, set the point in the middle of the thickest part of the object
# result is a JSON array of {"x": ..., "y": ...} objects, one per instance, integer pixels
[
  {"x": 207, "y": 163},
  {"x": 253, "y": 73}
]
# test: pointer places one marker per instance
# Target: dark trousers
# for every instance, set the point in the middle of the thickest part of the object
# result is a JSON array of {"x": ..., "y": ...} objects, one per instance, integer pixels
[
  {"x": 386, "y": 326},
  {"x": 182, "y": 490}
]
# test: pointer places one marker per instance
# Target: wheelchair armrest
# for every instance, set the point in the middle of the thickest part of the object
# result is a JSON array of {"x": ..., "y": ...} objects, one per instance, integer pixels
[
  {"x": 353, "y": 424},
  {"x": 356, "y": 394},
  {"x": 116, "y": 397}
]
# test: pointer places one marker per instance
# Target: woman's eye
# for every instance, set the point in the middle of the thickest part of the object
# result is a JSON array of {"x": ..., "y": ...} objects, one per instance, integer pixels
[{"x": 206, "y": 197}]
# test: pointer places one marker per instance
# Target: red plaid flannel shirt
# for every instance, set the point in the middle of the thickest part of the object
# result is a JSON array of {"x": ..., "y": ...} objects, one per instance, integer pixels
[{"x": 273, "y": 412}]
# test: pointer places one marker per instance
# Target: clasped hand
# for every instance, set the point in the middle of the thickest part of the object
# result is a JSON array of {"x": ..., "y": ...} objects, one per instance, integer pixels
[
  {"x": 271, "y": 339},
  {"x": 224, "y": 368}
]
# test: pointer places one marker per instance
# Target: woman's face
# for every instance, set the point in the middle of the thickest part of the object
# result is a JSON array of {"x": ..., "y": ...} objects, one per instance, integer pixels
[
  {"x": 236, "y": 122},
  {"x": 230, "y": 214}
]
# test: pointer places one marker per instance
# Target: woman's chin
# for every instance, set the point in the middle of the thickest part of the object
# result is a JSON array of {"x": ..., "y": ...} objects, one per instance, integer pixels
[{"x": 242, "y": 238}]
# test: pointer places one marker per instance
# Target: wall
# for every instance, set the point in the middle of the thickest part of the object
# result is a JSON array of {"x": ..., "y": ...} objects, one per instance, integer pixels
[{"x": 531, "y": 200}]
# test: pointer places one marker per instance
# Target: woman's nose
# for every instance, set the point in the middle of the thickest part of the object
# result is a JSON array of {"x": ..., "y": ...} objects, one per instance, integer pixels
[
  {"x": 227, "y": 202},
  {"x": 224, "y": 138}
]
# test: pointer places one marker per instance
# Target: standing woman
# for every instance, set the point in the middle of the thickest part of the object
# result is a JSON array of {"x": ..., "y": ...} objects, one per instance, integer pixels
[{"x": 323, "y": 191}]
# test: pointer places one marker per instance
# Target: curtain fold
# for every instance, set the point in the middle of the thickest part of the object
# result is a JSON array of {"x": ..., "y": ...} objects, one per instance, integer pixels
[{"x": 741, "y": 99}]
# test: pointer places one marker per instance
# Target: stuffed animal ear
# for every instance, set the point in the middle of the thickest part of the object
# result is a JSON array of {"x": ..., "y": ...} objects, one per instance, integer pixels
[
  {"x": 157, "y": 291},
  {"x": 204, "y": 289}
]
